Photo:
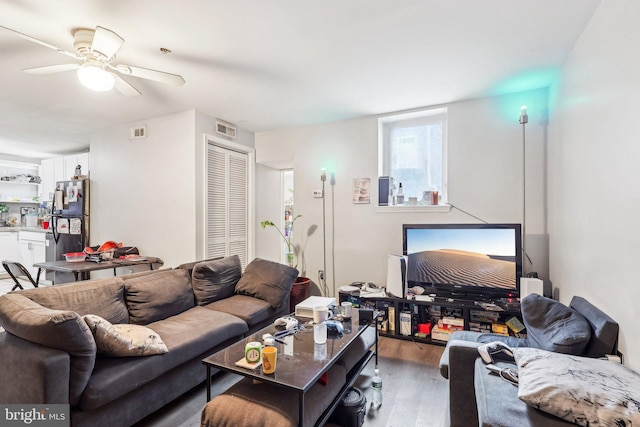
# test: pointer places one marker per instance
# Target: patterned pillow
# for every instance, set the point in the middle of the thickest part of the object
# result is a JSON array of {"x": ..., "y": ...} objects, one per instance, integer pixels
[
  {"x": 124, "y": 339},
  {"x": 581, "y": 390}
]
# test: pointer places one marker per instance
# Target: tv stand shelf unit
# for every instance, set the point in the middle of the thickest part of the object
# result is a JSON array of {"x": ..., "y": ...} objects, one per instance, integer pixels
[{"x": 417, "y": 319}]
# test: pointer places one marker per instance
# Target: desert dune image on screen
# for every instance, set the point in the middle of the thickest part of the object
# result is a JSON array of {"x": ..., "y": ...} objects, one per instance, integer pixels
[{"x": 466, "y": 257}]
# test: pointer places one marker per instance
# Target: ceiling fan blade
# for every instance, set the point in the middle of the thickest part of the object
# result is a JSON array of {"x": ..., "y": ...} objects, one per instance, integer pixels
[
  {"x": 106, "y": 42},
  {"x": 145, "y": 73},
  {"x": 50, "y": 69},
  {"x": 41, "y": 43},
  {"x": 125, "y": 88}
]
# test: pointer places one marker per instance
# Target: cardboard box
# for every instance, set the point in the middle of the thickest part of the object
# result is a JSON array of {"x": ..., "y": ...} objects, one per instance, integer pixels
[
  {"x": 500, "y": 328},
  {"x": 484, "y": 316},
  {"x": 440, "y": 334},
  {"x": 453, "y": 321},
  {"x": 405, "y": 323},
  {"x": 515, "y": 325}
]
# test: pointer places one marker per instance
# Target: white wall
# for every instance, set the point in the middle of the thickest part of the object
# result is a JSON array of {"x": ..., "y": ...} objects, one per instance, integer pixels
[
  {"x": 148, "y": 192},
  {"x": 594, "y": 202},
  {"x": 142, "y": 191},
  {"x": 269, "y": 207},
  {"x": 484, "y": 179}
]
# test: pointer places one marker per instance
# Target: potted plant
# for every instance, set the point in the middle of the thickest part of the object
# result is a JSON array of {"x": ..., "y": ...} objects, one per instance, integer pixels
[
  {"x": 301, "y": 288},
  {"x": 287, "y": 240},
  {"x": 3, "y": 210}
]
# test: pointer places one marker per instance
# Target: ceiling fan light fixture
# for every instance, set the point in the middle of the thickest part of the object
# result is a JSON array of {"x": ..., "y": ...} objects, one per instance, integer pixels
[{"x": 95, "y": 77}]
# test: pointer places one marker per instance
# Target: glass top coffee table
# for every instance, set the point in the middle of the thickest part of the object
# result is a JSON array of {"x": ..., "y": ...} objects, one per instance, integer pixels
[{"x": 300, "y": 362}]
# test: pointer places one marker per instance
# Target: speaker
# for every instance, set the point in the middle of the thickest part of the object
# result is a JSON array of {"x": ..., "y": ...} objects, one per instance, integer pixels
[
  {"x": 384, "y": 184},
  {"x": 531, "y": 285},
  {"x": 396, "y": 275}
]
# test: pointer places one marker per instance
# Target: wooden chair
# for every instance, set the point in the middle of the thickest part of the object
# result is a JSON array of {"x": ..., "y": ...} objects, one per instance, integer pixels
[{"x": 18, "y": 271}]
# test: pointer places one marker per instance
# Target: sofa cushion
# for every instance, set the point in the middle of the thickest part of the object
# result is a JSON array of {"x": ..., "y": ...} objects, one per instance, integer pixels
[
  {"x": 158, "y": 296},
  {"x": 188, "y": 266},
  {"x": 604, "y": 330},
  {"x": 581, "y": 390},
  {"x": 553, "y": 326},
  {"x": 215, "y": 280},
  {"x": 102, "y": 297},
  {"x": 267, "y": 280},
  {"x": 251, "y": 310},
  {"x": 124, "y": 340},
  {"x": 498, "y": 404},
  {"x": 193, "y": 334},
  {"x": 63, "y": 330}
]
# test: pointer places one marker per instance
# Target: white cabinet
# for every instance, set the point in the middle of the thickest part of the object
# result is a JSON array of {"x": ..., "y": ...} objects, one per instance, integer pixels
[
  {"x": 70, "y": 163},
  {"x": 32, "y": 249},
  {"x": 51, "y": 171},
  {"x": 9, "y": 247},
  {"x": 61, "y": 169}
]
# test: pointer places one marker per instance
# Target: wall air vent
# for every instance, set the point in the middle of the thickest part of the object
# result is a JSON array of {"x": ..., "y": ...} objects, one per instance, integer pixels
[
  {"x": 138, "y": 132},
  {"x": 226, "y": 130}
]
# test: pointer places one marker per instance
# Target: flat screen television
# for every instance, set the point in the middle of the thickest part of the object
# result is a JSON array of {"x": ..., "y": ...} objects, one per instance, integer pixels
[{"x": 464, "y": 260}]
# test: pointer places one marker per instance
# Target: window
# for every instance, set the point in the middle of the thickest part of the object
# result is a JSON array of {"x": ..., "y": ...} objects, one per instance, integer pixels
[{"x": 412, "y": 150}]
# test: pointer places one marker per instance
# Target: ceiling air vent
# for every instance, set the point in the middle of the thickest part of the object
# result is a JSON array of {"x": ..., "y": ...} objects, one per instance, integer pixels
[
  {"x": 138, "y": 132},
  {"x": 226, "y": 130}
]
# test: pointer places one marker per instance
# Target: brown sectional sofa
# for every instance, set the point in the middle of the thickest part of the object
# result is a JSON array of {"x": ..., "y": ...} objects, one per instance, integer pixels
[{"x": 50, "y": 354}]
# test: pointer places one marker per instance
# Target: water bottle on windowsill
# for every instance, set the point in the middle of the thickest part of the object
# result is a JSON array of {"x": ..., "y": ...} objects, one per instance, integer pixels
[{"x": 400, "y": 196}]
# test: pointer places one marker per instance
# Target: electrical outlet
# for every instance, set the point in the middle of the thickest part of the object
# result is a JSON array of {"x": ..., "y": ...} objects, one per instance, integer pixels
[
  {"x": 317, "y": 194},
  {"x": 320, "y": 275}
]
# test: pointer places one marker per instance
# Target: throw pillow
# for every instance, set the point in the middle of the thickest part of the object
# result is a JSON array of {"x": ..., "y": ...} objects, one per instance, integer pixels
[
  {"x": 215, "y": 280},
  {"x": 581, "y": 390},
  {"x": 268, "y": 281},
  {"x": 553, "y": 326},
  {"x": 158, "y": 296},
  {"x": 124, "y": 339}
]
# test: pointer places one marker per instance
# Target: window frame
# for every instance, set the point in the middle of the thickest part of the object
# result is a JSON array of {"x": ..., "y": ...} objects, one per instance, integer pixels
[{"x": 419, "y": 117}]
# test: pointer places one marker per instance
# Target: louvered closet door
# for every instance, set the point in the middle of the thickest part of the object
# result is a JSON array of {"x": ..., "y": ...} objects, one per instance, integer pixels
[{"x": 227, "y": 216}]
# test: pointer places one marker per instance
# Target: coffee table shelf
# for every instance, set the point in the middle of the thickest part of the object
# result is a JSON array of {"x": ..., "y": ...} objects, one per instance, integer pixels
[{"x": 300, "y": 361}]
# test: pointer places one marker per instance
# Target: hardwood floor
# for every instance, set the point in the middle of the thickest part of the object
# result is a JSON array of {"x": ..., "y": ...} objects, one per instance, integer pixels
[{"x": 414, "y": 393}]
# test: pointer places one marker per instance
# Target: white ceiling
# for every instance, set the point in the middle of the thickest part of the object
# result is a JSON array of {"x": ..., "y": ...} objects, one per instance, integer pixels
[{"x": 274, "y": 64}]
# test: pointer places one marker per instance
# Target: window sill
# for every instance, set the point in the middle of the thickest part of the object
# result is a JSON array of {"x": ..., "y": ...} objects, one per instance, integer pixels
[{"x": 442, "y": 208}]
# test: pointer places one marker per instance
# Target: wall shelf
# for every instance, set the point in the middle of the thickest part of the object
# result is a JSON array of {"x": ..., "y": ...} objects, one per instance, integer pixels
[
  {"x": 18, "y": 202},
  {"x": 19, "y": 183}
]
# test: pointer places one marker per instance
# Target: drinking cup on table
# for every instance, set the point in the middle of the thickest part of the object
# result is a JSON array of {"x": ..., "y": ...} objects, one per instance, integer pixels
[
  {"x": 321, "y": 313},
  {"x": 319, "y": 351},
  {"x": 345, "y": 309},
  {"x": 320, "y": 333},
  {"x": 269, "y": 358}
]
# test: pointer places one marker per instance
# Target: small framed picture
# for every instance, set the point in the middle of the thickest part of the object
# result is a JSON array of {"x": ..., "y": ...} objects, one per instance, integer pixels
[{"x": 361, "y": 190}]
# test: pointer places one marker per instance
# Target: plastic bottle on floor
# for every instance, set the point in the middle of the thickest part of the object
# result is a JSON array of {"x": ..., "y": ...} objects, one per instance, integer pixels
[{"x": 376, "y": 384}]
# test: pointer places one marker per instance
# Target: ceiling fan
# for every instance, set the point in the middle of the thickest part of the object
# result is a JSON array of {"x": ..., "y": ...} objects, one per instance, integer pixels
[{"x": 97, "y": 51}]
